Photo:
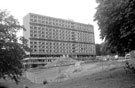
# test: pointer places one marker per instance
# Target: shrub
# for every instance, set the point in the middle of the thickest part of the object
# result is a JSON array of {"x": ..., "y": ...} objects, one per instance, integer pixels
[
  {"x": 129, "y": 67},
  {"x": 45, "y": 82}
]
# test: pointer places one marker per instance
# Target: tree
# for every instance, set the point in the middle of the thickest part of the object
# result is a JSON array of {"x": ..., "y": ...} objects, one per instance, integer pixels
[
  {"x": 98, "y": 50},
  {"x": 102, "y": 49},
  {"x": 116, "y": 20},
  {"x": 11, "y": 52},
  {"x": 105, "y": 50}
]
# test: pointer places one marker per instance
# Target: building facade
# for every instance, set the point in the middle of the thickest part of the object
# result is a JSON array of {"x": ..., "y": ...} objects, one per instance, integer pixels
[{"x": 49, "y": 36}]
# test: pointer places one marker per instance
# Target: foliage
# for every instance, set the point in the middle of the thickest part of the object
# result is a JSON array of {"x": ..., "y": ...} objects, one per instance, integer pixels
[
  {"x": 2, "y": 86},
  {"x": 117, "y": 24},
  {"x": 11, "y": 52},
  {"x": 129, "y": 66},
  {"x": 98, "y": 50},
  {"x": 102, "y": 49},
  {"x": 45, "y": 82}
]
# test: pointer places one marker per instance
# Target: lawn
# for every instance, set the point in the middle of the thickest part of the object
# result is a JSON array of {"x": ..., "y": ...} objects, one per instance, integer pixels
[{"x": 95, "y": 75}]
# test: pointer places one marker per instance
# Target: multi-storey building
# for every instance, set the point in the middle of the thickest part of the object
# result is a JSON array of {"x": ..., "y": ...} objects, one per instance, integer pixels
[{"x": 49, "y": 36}]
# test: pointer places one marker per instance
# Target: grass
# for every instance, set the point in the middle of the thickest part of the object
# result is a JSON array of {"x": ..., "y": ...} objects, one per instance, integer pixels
[{"x": 111, "y": 78}]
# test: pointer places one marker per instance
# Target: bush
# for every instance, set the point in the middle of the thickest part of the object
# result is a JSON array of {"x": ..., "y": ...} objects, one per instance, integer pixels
[
  {"x": 2, "y": 86},
  {"x": 129, "y": 67},
  {"x": 45, "y": 82}
]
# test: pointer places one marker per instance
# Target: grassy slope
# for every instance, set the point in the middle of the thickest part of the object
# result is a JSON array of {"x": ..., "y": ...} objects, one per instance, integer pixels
[{"x": 113, "y": 78}]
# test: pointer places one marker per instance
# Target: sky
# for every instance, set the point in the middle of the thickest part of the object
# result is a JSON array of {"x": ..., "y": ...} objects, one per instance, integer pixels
[{"x": 77, "y": 10}]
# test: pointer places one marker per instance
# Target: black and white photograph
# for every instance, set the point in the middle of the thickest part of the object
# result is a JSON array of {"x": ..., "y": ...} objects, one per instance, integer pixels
[{"x": 67, "y": 44}]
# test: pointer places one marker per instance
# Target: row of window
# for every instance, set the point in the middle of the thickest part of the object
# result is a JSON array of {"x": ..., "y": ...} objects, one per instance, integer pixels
[
  {"x": 52, "y": 29},
  {"x": 51, "y": 23},
  {"x": 35, "y": 28},
  {"x": 60, "y": 47},
  {"x": 50, "y": 51},
  {"x": 63, "y": 38},
  {"x": 60, "y": 34},
  {"x": 60, "y": 22},
  {"x": 54, "y": 37},
  {"x": 47, "y": 47},
  {"x": 61, "y": 51},
  {"x": 87, "y": 35},
  {"x": 54, "y": 43},
  {"x": 52, "y": 33},
  {"x": 63, "y": 47}
]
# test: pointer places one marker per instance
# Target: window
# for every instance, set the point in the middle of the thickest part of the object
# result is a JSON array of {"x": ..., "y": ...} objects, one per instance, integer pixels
[
  {"x": 43, "y": 18},
  {"x": 57, "y": 24},
  {"x": 50, "y": 50},
  {"x": 32, "y": 16},
  {"x": 43, "y": 36},
  {"x": 35, "y": 35},
  {"x": 31, "y": 27},
  {"x": 47, "y": 51},
  {"x": 31, "y": 30},
  {"x": 35, "y": 27},
  {"x": 50, "y": 23},
  {"x": 39, "y": 35},
  {"x": 39, "y": 31},
  {"x": 35, "y": 16},
  {"x": 35, "y": 42},
  {"x": 31, "y": 20},
  {"x": 39, "y": 21},
  {"x": 46, "y": 29},
  {"x": 49, "y": 37},
  {"x": 39, "y": 42},
  {"x": 35, "y": 20},
  {"x": 39, "y": 28},
  {"x": 43, "y": 22},
  {"x": 46, "y": 43},
  {"x": 46, "y": 22},
  {"x": 39, "y": 17},
  {"x": 31, "y": 42},
  {"x": 31, "y": 35}
]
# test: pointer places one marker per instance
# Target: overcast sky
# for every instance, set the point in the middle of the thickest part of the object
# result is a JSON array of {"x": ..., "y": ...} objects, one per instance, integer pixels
[{"x": 77, "y": 10}]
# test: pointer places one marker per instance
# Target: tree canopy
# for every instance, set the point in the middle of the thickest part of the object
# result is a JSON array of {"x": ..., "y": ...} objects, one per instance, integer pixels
[
  {"x": 98, "y": 50},
  {"x": 116, "y": 20},
  {"x": 11, "y": 52},
  {"x": 102, "y": 49}
]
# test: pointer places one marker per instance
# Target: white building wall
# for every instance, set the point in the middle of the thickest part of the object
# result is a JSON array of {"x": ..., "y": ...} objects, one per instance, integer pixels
[{"x": 57, "y": 36}]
